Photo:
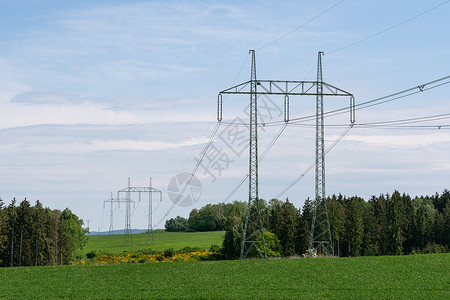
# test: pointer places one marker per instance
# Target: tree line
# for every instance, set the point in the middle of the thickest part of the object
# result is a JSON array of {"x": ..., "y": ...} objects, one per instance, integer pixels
[
  {"x": 38, "y": 236},
  {"x": 385, "y": 225}
]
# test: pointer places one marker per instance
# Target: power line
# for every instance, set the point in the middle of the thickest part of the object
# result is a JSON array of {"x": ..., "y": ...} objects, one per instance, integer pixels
[
  {"x": 381, "y": 100},
  {"x": 395, "y": 124},
  {"x": 301, "y": 26},
  {"x": 389, "y": 28},
  {"x": 272, "y": 143},
  {"x": 192, "y": 174},
  {"x": 399, "y": 122},
  {"x": 338, "y": 139},
  {"x": 404, "y": 127},
  {"x": 410, "y": 120}
]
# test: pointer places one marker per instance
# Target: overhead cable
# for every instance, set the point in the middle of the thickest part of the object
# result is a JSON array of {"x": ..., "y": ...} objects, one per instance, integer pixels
[
  {"x": 389, "y": 28},
  {"x": 274, "y": 140},
  {"x": 296, "y": 180},
  {"x": 301, "y": 26}
]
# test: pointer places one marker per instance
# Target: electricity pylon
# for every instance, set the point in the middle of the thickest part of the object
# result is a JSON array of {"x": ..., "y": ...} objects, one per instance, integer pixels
[
  {"x": 320, "y": 240},
  {"x": 253, "y": 233},
  {"x": 253, "y": 226},
  {"x": 133, "y": 189},
  {"x": 253, "y": 223},
  {"x": 111, "y": 211}
]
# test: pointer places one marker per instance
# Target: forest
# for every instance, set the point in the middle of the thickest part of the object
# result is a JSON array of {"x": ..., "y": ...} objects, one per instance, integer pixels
[
  {"x": 38, "y": 236},
  {"x": 385, "y": 225}
]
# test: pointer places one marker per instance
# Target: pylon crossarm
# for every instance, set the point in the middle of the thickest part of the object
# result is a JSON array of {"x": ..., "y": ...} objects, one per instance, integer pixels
[
  {"x": 238, "y": 89},
  {"x": 136, "y": 189},
  {"x": 335, "y": 90},
  {"x": 286, "y": 87}
]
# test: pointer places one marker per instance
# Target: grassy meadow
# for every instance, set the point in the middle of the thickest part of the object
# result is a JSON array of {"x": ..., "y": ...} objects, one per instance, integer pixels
[
  {"x": 162, "y": 240},
  {"x": 385, "y": 277}
]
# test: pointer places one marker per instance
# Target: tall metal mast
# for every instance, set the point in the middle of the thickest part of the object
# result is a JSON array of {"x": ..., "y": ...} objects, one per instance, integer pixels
[
  {"x": 150, "y": 214},
  {"x": 320, "y": 240},
  {"x": 151, "y": 190},
  {"x": 253, "y": 222},
  {"x": 111, "y": 214},
  {"x": 320, "y": 155},
  {"x": 128, "y": 237},
  {"x": 113, "y": 200}
]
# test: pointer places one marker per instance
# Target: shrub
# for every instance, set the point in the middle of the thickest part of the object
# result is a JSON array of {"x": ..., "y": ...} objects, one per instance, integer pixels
[
  {"x": 169, "y": 252},
  {"x": 215, "y": 248},
  {"x": 434, "y": 248},
  {"x": 273, "y": 246},
  {"x": 415, "y": 251},
  {"x": 231, "y": 246},
  {"x": 92, "y": 254},
  {"x": 369, "y": 252},
  {"x": 142, "y": 260},
  {"x": 188, "y": 249},
  {"x": 147, "y": 251}
]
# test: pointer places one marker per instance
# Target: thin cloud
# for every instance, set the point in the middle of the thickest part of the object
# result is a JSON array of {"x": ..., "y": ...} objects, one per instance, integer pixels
[
  {"x": 17, "y": 115},
  {"x": 410, "y": 140},
  {"x": 102, "y": 145}
]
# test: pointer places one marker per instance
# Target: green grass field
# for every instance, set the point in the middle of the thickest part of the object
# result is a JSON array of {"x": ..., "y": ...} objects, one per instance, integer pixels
[
  {"x": 163, "y": 240},
  {"x": 388, "y": 277}
]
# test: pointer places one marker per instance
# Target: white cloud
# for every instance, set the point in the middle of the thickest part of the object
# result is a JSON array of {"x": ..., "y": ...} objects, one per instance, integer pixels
[
  {"x": 9, "y": 85},
  {"x": 102, "y": 145},
  {"x": 410, "y": 140},
  {"x": 16, "y": 115}
]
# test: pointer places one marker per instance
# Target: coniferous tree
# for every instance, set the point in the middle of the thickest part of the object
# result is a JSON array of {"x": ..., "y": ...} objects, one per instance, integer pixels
[
  {"x": 3, "y": 233},
  {"x": 336, "y": 216},
  {"x": 372, "y": 229},
  {"x": 12, "y": 228},
  {"x": 423, "y": 223},
  {"x": 354, "y": 226},
  {"x": 39, "y": 234},
  {"x": 396, "y": 217},
  {"x": 408, "y": 223},
  {"x": 275, "y": 217},
  {"x": 304, "y": 227},
  {"x": 25, "y": 221},
  {"x": 289, "y": 228}
]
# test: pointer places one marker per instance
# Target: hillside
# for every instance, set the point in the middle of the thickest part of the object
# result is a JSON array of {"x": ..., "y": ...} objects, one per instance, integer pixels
[{"x": 162, "y": 240}]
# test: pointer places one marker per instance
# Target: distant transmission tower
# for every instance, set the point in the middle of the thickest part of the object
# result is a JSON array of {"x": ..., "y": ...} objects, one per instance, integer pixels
[
  {"x": 134, "y": 189},
  {"x": 150, "y": 211},
  {"x": 127, "y": 200},
  {"x": 111, "y": 214},
  {"x": 112, "y": 200},
  {"x": 253, "y": 223}
]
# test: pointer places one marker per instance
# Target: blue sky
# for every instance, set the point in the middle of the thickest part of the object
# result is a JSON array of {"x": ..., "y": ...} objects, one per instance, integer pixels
[{"x": 93, "y": 92}]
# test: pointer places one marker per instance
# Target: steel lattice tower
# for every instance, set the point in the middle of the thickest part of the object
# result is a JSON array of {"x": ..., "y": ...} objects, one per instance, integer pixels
[
  {"x": 320, "y": 240},
  {"x": 253, "y": 226},
  {"x": 133, "y": 189}
]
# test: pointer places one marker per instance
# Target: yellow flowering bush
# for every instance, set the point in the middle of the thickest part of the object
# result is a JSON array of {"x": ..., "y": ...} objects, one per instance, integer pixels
[{"x": 149, "y": 258}]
